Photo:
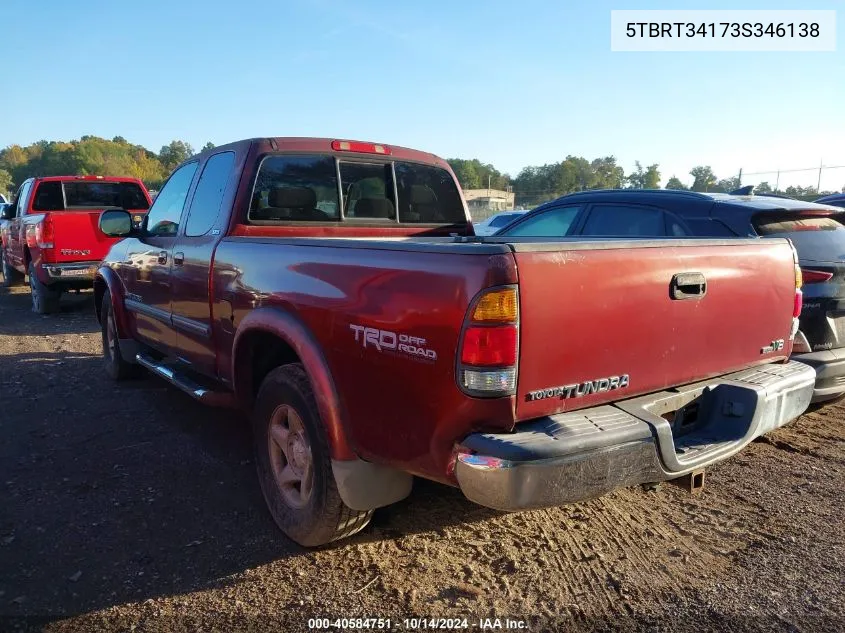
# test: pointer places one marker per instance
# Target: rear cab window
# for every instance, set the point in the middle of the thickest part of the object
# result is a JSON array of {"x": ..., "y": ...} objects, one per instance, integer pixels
[
  {"x": 292, "y": 188},
  {"x": 58, "y": 195}
]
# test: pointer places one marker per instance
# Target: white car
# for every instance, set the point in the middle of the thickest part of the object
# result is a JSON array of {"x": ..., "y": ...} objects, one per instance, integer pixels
[{"x": 497, "y": 221}]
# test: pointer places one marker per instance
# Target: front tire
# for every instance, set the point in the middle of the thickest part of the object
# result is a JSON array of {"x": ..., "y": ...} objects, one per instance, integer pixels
[
  {"x": 45, "y": 300},
  {"x": 11, "y": 277},
  {"x": 294, "y": 464},
  {"x": 117, "y": 368}
]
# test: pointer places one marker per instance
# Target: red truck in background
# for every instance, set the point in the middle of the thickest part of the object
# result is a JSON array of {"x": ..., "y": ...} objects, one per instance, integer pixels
[
  {"x": 335, "y": 291},
  {"x": 50, "y": 232}
]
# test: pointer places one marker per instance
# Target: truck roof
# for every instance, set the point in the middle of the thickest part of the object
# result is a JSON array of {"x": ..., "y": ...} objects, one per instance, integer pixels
[
  {"x": 89, "y": 178},
  {"x": 324, "y": 145}
]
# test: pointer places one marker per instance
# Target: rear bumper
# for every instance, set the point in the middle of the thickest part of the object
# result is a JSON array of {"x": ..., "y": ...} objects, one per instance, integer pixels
[
  {"x": 830, "y": 372},
  {"x": 573, "y": 456},
  {"x": 81, "y": 273}
]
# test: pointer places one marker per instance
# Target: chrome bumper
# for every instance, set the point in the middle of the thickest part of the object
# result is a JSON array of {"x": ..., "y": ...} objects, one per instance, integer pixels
[
  {"x": 72, "y": 271},
  {"x": 573, "y": 456}
]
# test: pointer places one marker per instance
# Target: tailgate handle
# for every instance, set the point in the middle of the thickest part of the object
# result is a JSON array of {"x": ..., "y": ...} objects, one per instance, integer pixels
[{"x": 688, "y": 286}]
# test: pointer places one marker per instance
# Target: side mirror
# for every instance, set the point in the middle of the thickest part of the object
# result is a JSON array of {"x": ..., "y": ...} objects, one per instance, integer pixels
[{"x": 116, "y": 223}]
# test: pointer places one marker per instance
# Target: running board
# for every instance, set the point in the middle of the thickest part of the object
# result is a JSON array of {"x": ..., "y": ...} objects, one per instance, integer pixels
[{"x": 193, "y": 389}]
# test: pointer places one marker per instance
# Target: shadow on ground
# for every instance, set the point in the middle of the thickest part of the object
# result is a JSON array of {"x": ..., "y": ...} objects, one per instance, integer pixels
[{"x": 122, "y": 492}]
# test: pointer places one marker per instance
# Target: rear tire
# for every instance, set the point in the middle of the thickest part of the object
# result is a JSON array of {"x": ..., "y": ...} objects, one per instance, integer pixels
[
  {"x": 117, "y": 368},
  {"x": 11, "y": 277},
  {"x": 294, "y": 463},
  {"x": 45, "y": 300}
]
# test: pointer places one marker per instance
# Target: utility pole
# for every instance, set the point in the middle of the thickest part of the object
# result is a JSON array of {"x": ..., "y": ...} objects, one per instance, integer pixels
[
  {"x": 777, "y": 180},
  {"x": 740, "y": 177},
  {"x": 819, "y": 183},
  {"x": 488, "y": 185}
]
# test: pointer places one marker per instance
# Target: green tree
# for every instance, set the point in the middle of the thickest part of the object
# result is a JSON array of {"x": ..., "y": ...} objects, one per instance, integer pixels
[
  {"x": 608, "y": 175},
  {"x": 726, "y": 185},
  {"x": 674, "y": 183},
  {"x": 208, "y": 146},
  {"x": 648, "y": 178},
  {"x": 174, "y": 154},
  {"x": 763, "y": 187},
  {"x": 703, "y": 178},
  {"x": 5, "y": 181},
  {"x": 466, "y": 173},
  {"x": 652, "y": 177},
  {"x": 89, "y": 155}
]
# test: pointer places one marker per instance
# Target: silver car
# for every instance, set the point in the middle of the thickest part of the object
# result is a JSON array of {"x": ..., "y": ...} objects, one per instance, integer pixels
[{"x": 498, "y": 221}]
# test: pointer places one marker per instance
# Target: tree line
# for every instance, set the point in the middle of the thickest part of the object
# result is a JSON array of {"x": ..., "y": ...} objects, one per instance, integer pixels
[
  {"x": 537, "y": 184},
  {"x": 92, "y": 155}
]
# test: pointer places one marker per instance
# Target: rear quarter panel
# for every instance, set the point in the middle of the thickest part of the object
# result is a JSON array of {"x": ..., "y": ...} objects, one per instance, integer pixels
[{"x": 397, "y": 409}]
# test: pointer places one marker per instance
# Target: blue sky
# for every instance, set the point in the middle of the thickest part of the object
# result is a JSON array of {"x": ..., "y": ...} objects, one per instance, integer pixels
[{"x": 513, "y": 83}]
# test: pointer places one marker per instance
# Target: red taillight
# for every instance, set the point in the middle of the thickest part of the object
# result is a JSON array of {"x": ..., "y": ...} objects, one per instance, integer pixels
[
  {"x": 796, "y": 308},
  {"x": 363, "y": 148},
  {"x": 489, "y": 346},
  {"x": 815, "y": 276},
  {"x": 44, "y": 233}
]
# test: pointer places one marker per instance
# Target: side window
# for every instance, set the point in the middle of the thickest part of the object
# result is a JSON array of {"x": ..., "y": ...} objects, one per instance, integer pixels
[
  {"x": 163, "y": 217},
  {"x": 707, "y": 227},
  {"x": 23, "y": 198},
  {"x": 619, "y": 220},
  {"x": 551, "y": 223},
  {"x": 208, "y": 197},
  {"x": 295, "y": 189},
  {"x": 674, "y": 228}
]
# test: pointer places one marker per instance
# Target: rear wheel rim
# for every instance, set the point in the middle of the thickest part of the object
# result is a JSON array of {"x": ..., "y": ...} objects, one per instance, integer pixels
[{"x": 291, "y": 459}]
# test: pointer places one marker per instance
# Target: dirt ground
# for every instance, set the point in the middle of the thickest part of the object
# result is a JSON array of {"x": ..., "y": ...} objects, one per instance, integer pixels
[{"x": 133, "y": 508}]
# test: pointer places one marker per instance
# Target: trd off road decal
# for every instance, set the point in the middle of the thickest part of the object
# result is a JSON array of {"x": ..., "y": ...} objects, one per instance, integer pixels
[{"x": 392, "y": 342}]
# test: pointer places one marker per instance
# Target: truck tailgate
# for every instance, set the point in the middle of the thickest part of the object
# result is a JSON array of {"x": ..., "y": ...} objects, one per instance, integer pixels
[
  {"x": 77, "y": 236},
  {"x": 600, "y": 321}
]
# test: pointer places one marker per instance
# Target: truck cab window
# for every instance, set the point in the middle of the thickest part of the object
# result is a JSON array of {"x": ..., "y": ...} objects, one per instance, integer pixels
[
  {"x": 367, "y": 191},
  {"x": 208, "y": 197},
  {"x": 295, "y": 189},
  {"x": 163, "y": 218}
]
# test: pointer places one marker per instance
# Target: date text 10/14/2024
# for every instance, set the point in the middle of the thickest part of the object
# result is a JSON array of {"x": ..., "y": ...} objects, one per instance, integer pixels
[{"x": 418, "y": 624}]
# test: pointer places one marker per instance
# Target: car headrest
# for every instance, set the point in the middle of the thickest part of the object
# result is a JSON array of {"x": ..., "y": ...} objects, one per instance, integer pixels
[
  {"x": 292, "y": 197},
  {"x": 420, "y": 194},
  {"x": 374, "y": 208}
]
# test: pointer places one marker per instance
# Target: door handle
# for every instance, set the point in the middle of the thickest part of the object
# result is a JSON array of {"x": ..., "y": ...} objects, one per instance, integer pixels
[
  {"x": 162, "y": 257},
  {"x": 178, "y": 259},
  {"x": 688, "y": 286}
]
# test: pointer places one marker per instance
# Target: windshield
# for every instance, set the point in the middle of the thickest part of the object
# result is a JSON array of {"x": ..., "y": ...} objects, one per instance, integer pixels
[{"x": 57, "y": 195}]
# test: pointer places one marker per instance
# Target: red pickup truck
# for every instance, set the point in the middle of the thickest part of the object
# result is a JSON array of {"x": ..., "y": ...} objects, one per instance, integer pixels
[
  {"x": 334, "y": 290},
  {"x": 50, "y": 232}
]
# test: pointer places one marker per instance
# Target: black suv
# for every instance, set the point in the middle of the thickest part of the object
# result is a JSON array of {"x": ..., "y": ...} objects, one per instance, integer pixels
[{"x": 816, "y": 230}]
